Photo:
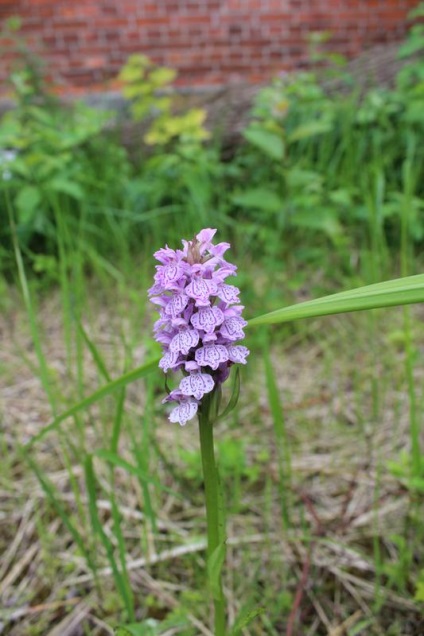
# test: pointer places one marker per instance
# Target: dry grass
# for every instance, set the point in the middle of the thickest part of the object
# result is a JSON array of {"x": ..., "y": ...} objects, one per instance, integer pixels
[{"x": 346, "y": 407}]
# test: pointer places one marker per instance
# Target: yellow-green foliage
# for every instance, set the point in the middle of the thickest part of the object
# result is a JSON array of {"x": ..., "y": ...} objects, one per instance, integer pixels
[
  {"x": 144, "y": 86},
  {"x": 188, "y": 128},
  {"x": 141, "y": 81}
]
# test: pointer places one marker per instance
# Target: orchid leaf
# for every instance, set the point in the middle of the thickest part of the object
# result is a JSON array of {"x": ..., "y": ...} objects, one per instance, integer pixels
[{"x": 401, "y": 291}]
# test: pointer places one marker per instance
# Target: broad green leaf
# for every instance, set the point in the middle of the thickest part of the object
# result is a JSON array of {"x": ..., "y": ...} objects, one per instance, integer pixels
[
  {"x": 418, "y": 12},
  {"x": 20, "y": 167},
  {"x": 162, "y": 76},
  {"x": 412, "y": 46},
  {"x": 307, "y": 180},
  {"x": 66, "y": 187},
  {"x": 134, "y": 68},
  {"x": 109, "y": 388},
  {"x": 310, "y": 129},
  {"x": 26, "y": 201},
  {"x": 417, "y": 484},
  {"x": 13, "y": 23},
  {"x": 260, "y": 198},
  {"x": 162, "y": 104},
  {"x": 318, "y": 219},
  {"x": 131, "y": 91},
  {"x": 10, "y": 131},
  {"x": 401, "y": 291},
  {"x": 341, "y": 197},
  {"x": 419, "y": 594},
  {"x": 130, "y": 74},
  {"x": 270, "y": 143}
]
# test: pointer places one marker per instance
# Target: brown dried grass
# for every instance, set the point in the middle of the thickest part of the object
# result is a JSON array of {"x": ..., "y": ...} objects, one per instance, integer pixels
[{"x": 344, "y": 500}]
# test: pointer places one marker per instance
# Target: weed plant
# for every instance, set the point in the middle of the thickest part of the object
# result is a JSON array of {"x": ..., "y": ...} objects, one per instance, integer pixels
[
  {"x": 320, "y": 172},
  {"x": 101, "y": 522}
]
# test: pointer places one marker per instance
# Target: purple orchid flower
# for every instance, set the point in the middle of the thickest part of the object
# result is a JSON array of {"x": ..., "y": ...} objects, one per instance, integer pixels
[{"x": 200, "y": 319}]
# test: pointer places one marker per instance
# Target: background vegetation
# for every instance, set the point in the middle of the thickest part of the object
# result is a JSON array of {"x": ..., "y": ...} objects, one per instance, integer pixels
[{"x": 101, "y": 518}]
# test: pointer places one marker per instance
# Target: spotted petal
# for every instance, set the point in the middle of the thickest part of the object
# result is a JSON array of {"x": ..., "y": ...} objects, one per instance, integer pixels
[
  {"x": 228, "y": 293},
  {"x": 169, "y": 360},
  {"x": 197, "y": 384},
  {"x": 232, "y": 328},
  {"x": 176, "y": 305},
  {"x": 207, "y": 319},
  {"x": 165, "y": 255},
  {"x": 211, "y": 356},
  {"x": 200, "y": 289},
  {"x": 183, "y": 412},
  {"x": 184, "y": 341},
  {"x": 169, "y": 274},
  {"x": 237, "y": 353}
]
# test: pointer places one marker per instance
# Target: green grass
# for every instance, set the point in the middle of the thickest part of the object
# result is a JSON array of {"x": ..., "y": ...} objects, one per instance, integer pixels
[
  {"x": 117, "y": 486},
  {"x": 310, "y": 463},
  {"x": 102, "y": 502}
]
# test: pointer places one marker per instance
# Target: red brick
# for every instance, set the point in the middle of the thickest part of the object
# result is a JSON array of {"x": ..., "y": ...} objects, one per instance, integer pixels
[
  {"x": 193, "y": 19},
  {"x": 207, "y": 41},
  {"x": 95, "y": 61},
  {"x": 71, "y": 38},
  {"x": 113, "y": 36}
]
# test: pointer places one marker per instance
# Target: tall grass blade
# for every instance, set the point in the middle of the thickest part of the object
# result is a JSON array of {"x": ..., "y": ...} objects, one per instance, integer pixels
[
  {"x": 65, "y": 517},
  {"x": 121, "y": 578},
  {"x": 235, "y": 392},
  {"x": 401, "y": 291},
  {"x": 100, "y": 364},
  {"x": 283, "y": 448},
  {"x": 142, "y": 457},
  {"x": 43, "y": 369},
  {"x": 406, "y": 258},
  {"x": 134, "y": 470},
  {"x": 117, "y": 423},
  {"x": 111, "y": 387}
]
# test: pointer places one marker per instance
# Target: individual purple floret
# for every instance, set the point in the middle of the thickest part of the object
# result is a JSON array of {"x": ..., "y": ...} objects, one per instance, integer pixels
[{"x": 200, "y": 320}]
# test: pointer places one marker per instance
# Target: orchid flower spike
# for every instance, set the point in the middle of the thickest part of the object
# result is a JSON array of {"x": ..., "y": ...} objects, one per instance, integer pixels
[{"x": 200, "y": 320}]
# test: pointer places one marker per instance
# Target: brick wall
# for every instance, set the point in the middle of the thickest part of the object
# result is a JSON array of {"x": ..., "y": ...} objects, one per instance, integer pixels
[{"x": 210, "y": 42}]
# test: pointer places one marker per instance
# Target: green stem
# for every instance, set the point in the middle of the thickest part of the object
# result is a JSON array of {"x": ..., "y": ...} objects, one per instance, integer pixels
[
  {"x": 214, "y": 521},
  {"x": 406, "y": 257}
]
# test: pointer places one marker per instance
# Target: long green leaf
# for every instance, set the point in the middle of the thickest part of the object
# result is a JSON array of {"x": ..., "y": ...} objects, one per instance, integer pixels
[
  {"x": 121, "y": 578},
  {"x": 270, "y": 143},
  {"x": 134, "y": 470},
  {"x": 281, "y": 437},
  {"x": 49, "y": 490},
  {"x": 100, "y": 364},
  {"x": 401, "y": 291},
  {"x": 109, "y": 388},
  {"x": 215, "y": 563}
]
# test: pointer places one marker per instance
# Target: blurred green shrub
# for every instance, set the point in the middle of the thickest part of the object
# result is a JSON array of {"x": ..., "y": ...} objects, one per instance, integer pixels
[
  {"x": 319, "y": 170},
  {"x": 52, "y": 156},
  {"x": 177, "y": 171},
  {"x": 147, "y": 87},
  {"x": 328, "y": 169}
]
